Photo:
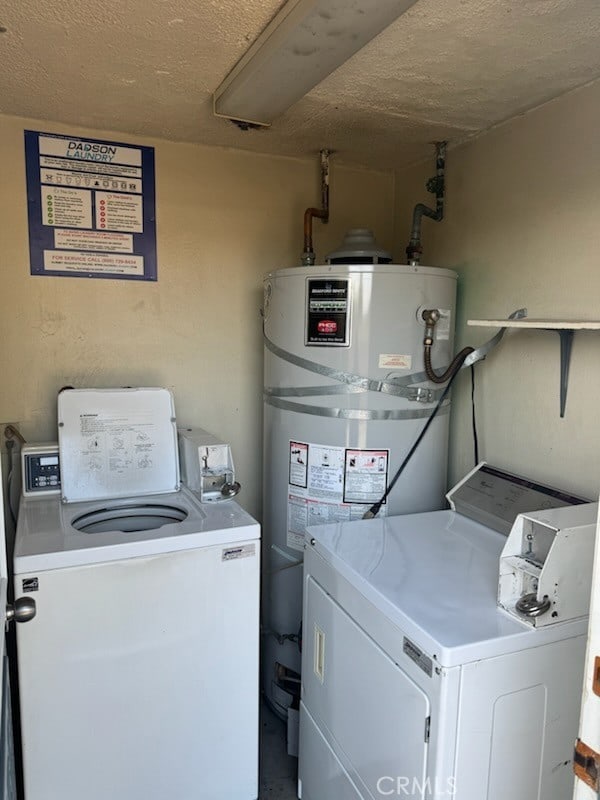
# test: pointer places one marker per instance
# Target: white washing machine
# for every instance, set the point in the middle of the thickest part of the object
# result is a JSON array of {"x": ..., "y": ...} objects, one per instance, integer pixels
[
  {"x": 414, "y": 682},
  {"x": 138, "y": 675}
]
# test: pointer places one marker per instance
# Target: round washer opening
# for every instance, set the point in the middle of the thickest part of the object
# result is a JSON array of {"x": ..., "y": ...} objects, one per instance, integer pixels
[{"x": 129, "y": 518}]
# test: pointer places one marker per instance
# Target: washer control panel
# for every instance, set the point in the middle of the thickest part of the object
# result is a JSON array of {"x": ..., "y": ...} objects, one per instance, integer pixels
[{"x": 41, "y": 469}]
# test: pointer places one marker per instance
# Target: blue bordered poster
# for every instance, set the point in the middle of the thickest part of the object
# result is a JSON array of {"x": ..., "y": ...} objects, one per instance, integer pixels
[{"x": 91, "y": 207}]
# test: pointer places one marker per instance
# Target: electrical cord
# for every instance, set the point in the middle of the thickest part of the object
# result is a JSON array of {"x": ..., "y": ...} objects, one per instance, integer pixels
[
  {"x": 9, "y": 449},
  {"x": 12, "y": 434},
  {"x": 375, "y": 508},
  {"x": 282, "y": 638},
  {"x": 473, "y": 418}
]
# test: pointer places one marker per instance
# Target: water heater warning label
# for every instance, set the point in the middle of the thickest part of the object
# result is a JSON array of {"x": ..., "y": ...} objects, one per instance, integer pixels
[
  {"x": 331, "y": 484},
  {"x": 365, "y": 475},
  {"x": 328, "y": 312},
  {"x": 298, "y": 464}
]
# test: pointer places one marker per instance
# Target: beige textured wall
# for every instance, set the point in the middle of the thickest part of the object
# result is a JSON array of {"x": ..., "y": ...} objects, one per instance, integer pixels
[
  {"x": 523, "y": 229},
  {"x": 224, "y": 218}
]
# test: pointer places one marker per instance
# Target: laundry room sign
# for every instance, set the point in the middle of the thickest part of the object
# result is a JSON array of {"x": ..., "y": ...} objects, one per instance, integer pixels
[{"x": 91, "y": 207}]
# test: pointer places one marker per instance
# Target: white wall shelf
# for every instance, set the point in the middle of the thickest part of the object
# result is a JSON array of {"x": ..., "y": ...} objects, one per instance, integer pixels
[
  {"x": 542, "y": 324},
  {"x": 565, "y": 330}
]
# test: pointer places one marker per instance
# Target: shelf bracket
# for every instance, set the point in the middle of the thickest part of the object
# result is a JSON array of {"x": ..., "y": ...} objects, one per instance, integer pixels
[
  {"x": 566, "y": 343},
  {"x": 565, "y": 330}
]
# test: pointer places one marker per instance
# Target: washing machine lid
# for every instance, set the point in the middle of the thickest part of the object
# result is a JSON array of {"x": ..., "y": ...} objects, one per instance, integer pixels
[
  {"x": 117, "y": 443},
  {"x": 435, "y": 576},
  {"x": 55, "y": 535}
]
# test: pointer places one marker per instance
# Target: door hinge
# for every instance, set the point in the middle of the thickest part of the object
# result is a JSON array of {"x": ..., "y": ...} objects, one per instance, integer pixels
[
  {"x": 586, "y": 765},
  {"x": 427, "y": 728},
  {"x": 596, "y": 679}
]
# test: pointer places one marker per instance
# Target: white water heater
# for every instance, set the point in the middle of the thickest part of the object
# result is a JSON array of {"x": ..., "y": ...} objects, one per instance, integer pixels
[{"x": 345, "y": 397}]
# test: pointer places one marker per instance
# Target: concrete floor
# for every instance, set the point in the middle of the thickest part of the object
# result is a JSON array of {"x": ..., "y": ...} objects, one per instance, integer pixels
[{"x": 278, "y": 771}]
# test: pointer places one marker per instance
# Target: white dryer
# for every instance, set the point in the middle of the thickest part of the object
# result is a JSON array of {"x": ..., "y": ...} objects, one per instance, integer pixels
[
  {"x": 414, "y": 682},
  {"x": 138, "y": 675}
]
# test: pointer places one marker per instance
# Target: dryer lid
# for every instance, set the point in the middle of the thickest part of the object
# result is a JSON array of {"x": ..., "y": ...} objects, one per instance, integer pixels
[{"x": 117, "y": 443}]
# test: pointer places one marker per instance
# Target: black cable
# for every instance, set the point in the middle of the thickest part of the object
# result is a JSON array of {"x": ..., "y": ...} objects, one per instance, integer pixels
[
  {"x": 374, "y": 510},
  {"x": 9, "y": 449},
  {"x": 473, "y": 417}
]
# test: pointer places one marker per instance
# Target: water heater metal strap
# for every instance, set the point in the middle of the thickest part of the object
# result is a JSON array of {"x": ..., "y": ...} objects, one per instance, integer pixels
[
  {"x": 311, "y": 391},
  {"x": 400, "y": 387},
  {"x": 354, "y": 413},
  {"x": 482, "y": 351}
]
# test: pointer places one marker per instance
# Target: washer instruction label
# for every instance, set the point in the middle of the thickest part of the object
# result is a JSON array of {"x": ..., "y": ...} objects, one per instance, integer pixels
[{"x": 331, "y": 484}]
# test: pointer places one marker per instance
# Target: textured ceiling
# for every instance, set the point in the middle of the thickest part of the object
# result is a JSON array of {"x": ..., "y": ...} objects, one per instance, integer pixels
[{"x": 446, "y": 69}]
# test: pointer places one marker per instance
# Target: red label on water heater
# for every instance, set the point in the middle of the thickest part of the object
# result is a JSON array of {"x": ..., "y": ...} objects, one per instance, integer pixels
[
  {"x": 327, "y": 326},
  {"x": 328, "y": 312}
]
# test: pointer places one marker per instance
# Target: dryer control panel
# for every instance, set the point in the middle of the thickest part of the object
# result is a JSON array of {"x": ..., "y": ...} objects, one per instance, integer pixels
[
  {"x": 40, "y": 466},
  {"x": 495, "y": 498}
]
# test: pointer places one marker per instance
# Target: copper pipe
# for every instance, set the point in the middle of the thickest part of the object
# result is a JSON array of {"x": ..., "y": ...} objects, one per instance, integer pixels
[
  {"x": 308, "y": 256},
  {"x": 308, "y": 218}
]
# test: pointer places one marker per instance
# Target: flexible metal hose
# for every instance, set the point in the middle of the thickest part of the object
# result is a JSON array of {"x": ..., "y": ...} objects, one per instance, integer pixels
[{"x": 453, "y": 367}]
